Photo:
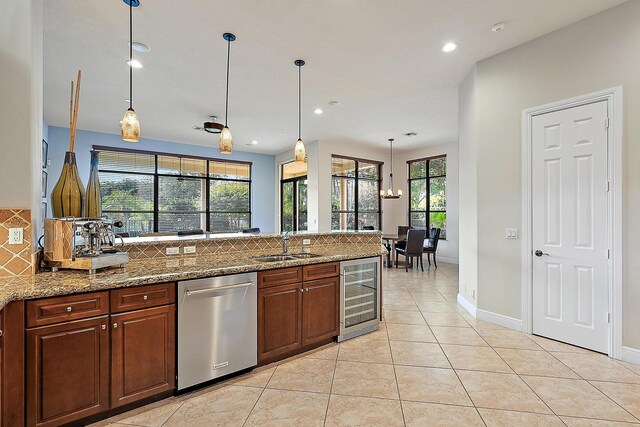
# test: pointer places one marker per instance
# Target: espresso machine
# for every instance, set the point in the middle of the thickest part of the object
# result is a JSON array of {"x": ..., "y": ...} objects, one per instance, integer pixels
[{"x": 82, "y": 244}]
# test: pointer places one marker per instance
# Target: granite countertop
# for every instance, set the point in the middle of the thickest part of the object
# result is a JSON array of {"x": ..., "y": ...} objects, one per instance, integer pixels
[{"x": 169, "y": 269}]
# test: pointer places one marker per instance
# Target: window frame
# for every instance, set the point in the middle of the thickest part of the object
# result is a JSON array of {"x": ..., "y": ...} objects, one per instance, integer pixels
[
  {"x": 356, "y": 179},
  {"x": 207, "y": 179},
  {"x": 427, "y": 178}
]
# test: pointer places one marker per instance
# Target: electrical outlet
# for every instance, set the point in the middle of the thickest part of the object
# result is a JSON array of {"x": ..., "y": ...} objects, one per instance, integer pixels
[
  {"x": 16, "y": 236},
  {"x": 306, "y": 241},
  {"x": 189, "y": 250},
  {"x": 511, "y": 233},
  {"x": 172, "y": 251}
]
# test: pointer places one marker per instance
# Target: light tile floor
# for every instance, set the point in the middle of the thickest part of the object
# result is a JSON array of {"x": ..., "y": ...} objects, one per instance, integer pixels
[{"x": 430, "y": 364}]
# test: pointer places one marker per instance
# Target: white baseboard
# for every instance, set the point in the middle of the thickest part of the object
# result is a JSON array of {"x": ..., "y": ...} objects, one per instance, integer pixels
[
  {"x": 448, "y": 260},
  {"x": 499, "y": 319},
  {"x": 631, "y": 355},
  {"x": 467, "y": 305}
]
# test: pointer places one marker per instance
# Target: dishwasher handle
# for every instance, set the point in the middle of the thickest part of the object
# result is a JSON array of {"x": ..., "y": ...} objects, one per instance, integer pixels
[{"x": 220, "y": 289}]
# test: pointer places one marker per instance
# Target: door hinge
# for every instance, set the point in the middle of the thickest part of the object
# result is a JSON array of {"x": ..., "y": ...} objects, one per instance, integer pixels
[
  {"x": 608, "y": 317},
  {"x": 608, "y": 253},
  {"x": 606, "y": 123},
  {"x": 608, "y": 186}
]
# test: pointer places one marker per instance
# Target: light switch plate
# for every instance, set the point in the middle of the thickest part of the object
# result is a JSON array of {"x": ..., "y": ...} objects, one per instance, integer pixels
[
  {"x": 511, "y": 233},
  {"x": 306, "y": 241},
  {"x": 189, "y": 249},
  {"x": 16, "y": 236},
  {"x": 172, "y": 251}
]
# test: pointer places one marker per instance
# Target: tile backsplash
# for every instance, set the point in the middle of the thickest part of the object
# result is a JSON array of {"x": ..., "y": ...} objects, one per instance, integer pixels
[{"x": 15, "y": 260}]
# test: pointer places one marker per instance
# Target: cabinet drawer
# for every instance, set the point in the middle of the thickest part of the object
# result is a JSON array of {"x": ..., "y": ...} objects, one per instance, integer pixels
[
  {"x": 320, "y": 271},
  {"x": 69, "y": 307},
  {"x": 281, "y": 276},
  {"x": 142, "y": 297}
]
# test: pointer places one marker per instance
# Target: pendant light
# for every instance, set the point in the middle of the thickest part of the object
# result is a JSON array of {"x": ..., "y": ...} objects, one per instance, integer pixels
[
  {"x": 226, "y": 140},
  {"x": 130, "y": 124},
  {"x": 299, "y": 152},
  {"x": 389, "y": 194}
]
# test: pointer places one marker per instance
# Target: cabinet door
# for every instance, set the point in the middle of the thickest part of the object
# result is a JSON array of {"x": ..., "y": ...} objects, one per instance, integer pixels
[
  {"x": 279, "y": 320},
  {"x": 320, "y": 310},
  {"x": 67, "y": 371},
  {"x": 142, "y": 354}
]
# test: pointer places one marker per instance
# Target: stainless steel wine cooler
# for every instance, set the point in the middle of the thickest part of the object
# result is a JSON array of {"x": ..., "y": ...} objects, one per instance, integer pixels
[{"x": 360, "y": 292}]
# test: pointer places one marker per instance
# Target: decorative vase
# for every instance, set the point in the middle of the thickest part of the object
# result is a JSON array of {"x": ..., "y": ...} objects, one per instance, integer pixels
[
  {"x": 67, "y": 197},
  {"x": 93, "y": 202}
]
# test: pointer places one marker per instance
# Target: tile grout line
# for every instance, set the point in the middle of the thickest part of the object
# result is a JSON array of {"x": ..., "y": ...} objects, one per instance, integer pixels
[
  {"x": 259, "y": 397},
  {"x": 333, "y": 377},
  {"x": 395, "y": 374}
]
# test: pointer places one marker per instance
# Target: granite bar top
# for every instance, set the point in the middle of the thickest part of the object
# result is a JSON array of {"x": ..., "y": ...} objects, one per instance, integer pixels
[{"x": 150, "y": 271}]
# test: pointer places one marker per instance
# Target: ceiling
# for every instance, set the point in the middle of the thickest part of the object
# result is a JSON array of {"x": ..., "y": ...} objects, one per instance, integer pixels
[{"x": 380, "y": 59}]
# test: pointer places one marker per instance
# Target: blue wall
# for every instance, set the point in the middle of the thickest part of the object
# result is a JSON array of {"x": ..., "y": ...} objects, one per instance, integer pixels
[{"x": 263, "y": 168}]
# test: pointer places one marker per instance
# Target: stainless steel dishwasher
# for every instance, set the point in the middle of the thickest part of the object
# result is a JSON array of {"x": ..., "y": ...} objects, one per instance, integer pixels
[{"x": 217, "y": 327}]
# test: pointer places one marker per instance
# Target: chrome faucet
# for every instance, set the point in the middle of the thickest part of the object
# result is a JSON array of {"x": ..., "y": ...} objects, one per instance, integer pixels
[{"x": 285, "y": 242}]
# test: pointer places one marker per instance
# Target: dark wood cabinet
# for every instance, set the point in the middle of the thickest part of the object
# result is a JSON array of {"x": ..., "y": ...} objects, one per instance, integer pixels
[
  {"x": 295, "y": 317},
  {"x": 320, "y": 310},
  {"x": 142, "y": 354},
  {"x": 67, "y": 371},
  {"x": 12, "y": 365},
  {"x": 279, "y": 321}
]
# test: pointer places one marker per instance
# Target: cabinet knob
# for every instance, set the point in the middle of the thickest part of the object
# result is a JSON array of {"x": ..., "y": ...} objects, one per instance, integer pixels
[
  {"x": 68, "y": 309},
  {"x": 145, "y": 297},
  {"x": 115, "y": 326},
  {"x": 1, "y": 332},
  {"x": 104, "y": 327}
]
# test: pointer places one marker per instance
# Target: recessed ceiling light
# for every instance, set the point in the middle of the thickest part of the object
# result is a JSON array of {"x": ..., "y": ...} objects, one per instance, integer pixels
[
  {"x": 334, "y": 103},
  {"x": 318, "y": 111},
  {"x": 449, "y": 47},
  {"x": 498, "y": 27},
  {"x": 134, "y": 63},
  {"x": 254, "y": 142},
  {"x": 140, "y": 47}
]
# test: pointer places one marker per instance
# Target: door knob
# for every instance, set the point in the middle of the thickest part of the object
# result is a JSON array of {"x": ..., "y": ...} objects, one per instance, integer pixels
[{"x": 539, "y": 253}]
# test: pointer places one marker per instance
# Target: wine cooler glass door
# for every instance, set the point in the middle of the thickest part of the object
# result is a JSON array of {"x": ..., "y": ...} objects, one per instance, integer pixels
[{"x": 360, "y": 293}]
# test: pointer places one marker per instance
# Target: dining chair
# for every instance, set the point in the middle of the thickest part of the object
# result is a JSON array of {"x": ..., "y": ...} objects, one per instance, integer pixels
[
  {"x": 368, "y": 227},
  {"x": 190, "y": 232},
  {"x": 254, "y": 230},
  {"x": 431, "y": 245},
  {"x": 402, "y": 235},
  {"x": 413, "y": 248}
]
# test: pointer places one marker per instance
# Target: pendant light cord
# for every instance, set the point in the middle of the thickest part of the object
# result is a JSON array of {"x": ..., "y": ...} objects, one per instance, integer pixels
[
  {"x": 226, "y": 106},
  {"x": 299, "y": 103},
  {"x": 130, "y": 54},
  {"x": 391, "y": 164}
]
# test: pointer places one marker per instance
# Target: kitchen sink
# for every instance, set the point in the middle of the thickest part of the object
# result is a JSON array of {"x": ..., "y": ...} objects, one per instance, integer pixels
[
  {"x": 305, "y": 256},
  {"x": 273, "y": 258}
]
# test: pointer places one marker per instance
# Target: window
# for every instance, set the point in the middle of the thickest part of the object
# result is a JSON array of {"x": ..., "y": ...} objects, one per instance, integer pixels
[
  {"x": 355, "y": 193},
  {"x": 157, "y": 192},
  {"x": 293, "y": 196},
  {"x": 428, "y": 193}
]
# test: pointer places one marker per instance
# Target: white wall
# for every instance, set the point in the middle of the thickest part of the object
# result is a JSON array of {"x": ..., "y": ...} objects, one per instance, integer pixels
[
  {"x": 21, "y": 105},
  {"x": 597, "y": 53}
]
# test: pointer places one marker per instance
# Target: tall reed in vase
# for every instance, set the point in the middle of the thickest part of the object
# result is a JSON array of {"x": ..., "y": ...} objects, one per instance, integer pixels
[{"x": 67, "y": 197}]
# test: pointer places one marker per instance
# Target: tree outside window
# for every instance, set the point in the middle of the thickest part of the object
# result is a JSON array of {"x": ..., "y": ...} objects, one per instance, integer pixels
[{"x": 428, "y": 193}]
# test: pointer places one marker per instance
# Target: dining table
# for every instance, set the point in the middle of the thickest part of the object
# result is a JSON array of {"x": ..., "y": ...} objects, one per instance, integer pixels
[{"x": 391, "y": 240}]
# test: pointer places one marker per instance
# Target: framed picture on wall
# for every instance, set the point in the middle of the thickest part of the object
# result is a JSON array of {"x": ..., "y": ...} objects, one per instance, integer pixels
[
  {"x": 45, "y": 154},
  {"x": 44, "y": 184}
]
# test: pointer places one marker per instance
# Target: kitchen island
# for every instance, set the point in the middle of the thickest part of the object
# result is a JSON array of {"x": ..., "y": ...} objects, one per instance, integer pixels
[{"x": 82, "y": 346}]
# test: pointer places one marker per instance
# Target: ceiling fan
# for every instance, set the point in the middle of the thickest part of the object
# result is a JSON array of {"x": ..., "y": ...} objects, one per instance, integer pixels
[{"x": 210, "y": 126}]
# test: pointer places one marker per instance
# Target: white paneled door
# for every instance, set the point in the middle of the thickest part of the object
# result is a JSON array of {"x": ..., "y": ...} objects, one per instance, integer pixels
[{"x": 570, "y": 226}]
